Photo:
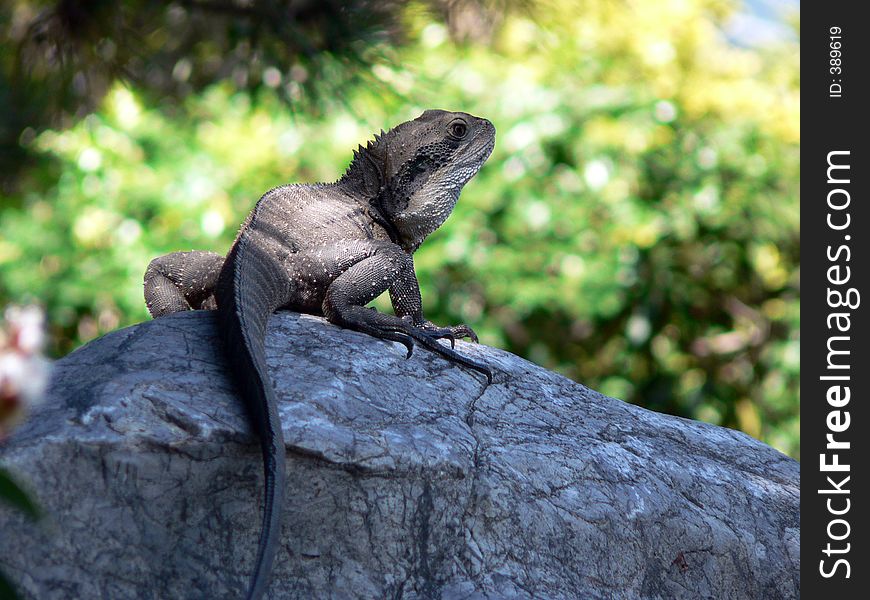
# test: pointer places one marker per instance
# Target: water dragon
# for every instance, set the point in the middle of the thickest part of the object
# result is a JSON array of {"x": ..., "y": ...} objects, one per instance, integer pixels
[{"x": 329, "y": 249}]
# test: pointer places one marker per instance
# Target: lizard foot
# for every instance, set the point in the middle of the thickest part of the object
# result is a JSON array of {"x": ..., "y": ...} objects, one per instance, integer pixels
[
  {"x": 406, "y": 332},
  {"x": 427, "y": 336}
]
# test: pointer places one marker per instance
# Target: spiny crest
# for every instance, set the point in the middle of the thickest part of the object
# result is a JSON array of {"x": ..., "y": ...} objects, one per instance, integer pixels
[{"x": 372, "y": 157}]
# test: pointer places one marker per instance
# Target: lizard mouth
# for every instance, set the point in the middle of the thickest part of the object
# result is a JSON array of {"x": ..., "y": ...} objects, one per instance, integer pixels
[{"x": 479, "y": 157}]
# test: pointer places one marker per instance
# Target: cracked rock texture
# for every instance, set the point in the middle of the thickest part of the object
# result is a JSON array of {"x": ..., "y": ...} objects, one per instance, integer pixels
[{"x": 406, "y": 479}]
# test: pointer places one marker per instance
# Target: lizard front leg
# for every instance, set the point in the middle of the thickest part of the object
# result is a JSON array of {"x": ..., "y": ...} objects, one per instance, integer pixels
[
  {"x": 387, "y": 267},
  {"x": 408, "y": 305}
]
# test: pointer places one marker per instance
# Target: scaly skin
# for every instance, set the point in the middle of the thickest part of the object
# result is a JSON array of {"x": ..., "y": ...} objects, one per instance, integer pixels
[{"x": 329, "y": 249}]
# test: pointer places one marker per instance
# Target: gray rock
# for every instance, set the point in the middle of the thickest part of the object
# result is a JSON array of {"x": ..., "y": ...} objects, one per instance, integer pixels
[{"x": 406, "y": 479}]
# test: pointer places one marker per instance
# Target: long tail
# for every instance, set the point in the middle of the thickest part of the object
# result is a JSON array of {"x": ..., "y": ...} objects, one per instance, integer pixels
[{"x": 247, "y": 294}]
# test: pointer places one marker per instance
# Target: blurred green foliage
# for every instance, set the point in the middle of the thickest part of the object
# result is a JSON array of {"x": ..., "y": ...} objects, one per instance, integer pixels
[
  {"x": 636, "y": 229},
  {"x": 58, "y": 58}
]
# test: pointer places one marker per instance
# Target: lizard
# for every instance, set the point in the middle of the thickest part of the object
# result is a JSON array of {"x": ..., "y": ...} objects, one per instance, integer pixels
[{"x": 329, "y": 249}]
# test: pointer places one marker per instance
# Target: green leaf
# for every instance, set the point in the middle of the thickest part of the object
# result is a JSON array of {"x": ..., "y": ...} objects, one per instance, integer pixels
[
  {"x": 14, "y": 495},
  {"x": 7, "y": 591}
]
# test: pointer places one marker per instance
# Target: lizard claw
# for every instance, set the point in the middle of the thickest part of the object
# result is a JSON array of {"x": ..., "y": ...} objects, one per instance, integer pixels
[
  {"x": 404, "y": 339},
  {"x": 440, "y": 333},
  {"x": 463, "y": 331},
  {"x": 392, "y": 335},
  {"x": 451, "y": 333},
  {"x": 428, "y": 339}
]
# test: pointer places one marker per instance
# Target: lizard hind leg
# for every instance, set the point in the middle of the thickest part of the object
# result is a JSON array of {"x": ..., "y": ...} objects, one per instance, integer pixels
[{"x": 182, "y": 281}]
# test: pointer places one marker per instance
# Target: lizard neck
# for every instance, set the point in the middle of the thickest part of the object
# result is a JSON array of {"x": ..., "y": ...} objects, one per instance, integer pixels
[
  {"x": 364, "y": 178},
  {"x": 367, "y": 192},
  {"x": 366, "y": 181},
  {"x": 369, "y": 171}
]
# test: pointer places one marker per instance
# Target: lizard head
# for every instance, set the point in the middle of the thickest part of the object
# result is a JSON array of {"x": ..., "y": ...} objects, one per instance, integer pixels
[{"x": 420, "y": 168}]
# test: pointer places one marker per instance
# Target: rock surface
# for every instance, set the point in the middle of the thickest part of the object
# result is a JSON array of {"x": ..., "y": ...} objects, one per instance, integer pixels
[{"x": 406, "y": 479}]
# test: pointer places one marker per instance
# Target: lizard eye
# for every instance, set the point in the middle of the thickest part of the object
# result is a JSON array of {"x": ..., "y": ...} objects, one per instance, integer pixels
[{"x": 458, "y": 129}]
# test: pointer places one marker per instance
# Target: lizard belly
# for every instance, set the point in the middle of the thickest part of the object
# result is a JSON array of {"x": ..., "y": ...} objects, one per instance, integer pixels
[{"x": 310, "y": 274}]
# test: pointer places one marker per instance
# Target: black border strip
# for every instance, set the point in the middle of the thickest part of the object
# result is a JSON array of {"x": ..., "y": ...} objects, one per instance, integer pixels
[{"x": 835, "y": 125}]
